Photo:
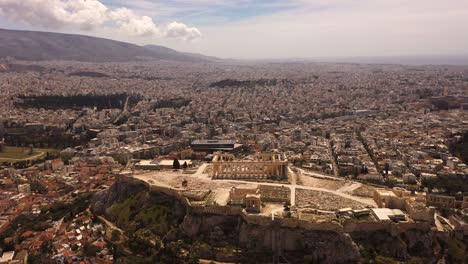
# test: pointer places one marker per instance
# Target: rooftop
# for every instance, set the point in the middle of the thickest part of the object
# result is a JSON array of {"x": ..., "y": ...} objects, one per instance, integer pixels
[
  {"x": 213, "y": 142},
  {"x": 387, "y": 214}
]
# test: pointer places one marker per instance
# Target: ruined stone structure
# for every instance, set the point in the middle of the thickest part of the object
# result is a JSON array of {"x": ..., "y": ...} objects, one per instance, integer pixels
[
  {"x": 264, "y": 166},
  {"x": 401, "y": 199},
  {"x": 253, "y": 203},
  {"x": 275, "y": 194},
  {"x": 440, "y": 200},
  {"x": 237, "y": 195}
]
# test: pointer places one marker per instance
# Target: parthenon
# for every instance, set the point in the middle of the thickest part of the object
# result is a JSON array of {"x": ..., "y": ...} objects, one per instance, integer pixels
[{"x": 264, "y": 166}]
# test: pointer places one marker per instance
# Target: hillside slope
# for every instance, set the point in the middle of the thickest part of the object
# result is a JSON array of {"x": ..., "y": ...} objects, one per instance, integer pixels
[
  {"x": 161, "y": 227},
  {"x": 193, "y": 56},
  {"x": 36, "y": 46}
]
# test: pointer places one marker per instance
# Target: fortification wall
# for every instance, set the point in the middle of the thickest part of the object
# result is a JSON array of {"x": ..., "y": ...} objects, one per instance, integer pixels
[
  {"x": 323, "y": 226},
  {"x": 420, "y": 213},
  {"x": 402, "y": 227},
  {"x": 353, "y": 226},
  {"x": 216, "y": 209},
  {"x": 256, "y": 219},
  {"x": 291, "y": 223},
  {"x": 348, "y": 226}
]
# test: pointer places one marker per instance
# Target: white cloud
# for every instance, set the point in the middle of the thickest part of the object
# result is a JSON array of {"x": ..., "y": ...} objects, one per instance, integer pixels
[
  {"x": 89, "y": 14},
  {"x": 182, "y": 31},
  {"x": 133, "y": 24},
  {"x": 295, "y": 28},
  {"x": 86, "y": 14},
  {"x": 354, "y": 28}
]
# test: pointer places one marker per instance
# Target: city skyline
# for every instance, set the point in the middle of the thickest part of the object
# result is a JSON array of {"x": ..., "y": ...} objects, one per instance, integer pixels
[{"x": 257, "y": 29}]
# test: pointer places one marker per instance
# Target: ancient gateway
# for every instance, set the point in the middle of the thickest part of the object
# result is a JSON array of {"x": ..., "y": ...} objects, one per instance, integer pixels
[{"x": 263, "y": 166}]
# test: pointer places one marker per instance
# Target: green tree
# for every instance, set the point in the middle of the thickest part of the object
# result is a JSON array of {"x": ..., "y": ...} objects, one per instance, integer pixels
[
  {"x": 74, "y": 247},
  {"x": 115, "y": 236},
  {"x": 176, "y": 164},
  {"x": 90, "y": 250},
  {"x": 47, "y": 247}
]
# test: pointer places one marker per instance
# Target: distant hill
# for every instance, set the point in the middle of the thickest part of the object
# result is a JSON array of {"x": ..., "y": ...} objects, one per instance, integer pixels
[
  {"x": 461, "y": 60},
  {"x": 38, "y": 46},
  {"x": 404, "y": 60},
  {"x": 168, "y": 51}
]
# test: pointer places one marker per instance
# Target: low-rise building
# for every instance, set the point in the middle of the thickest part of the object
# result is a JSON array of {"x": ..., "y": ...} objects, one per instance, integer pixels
[
  {"x": 440, "y": 200},
  {"x": 387, "y": 214},
  {"x": 211, "y": 146}
]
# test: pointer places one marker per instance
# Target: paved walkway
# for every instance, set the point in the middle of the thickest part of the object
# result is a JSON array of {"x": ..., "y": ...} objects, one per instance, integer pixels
[
  {"x": 200, "y": 171},
  {"x": 319, "y": 175},
  {"x": 340, "y": 192},
  {"x": 293, "y": 187},
  {"x": 293, "y": 176},
  {"x": 349, "y": 188}
]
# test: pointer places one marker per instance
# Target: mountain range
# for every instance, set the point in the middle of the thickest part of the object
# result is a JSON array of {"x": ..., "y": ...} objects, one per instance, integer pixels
[
  {"x": 43, "y": 46},
  {"x": 40, "y": 46}
]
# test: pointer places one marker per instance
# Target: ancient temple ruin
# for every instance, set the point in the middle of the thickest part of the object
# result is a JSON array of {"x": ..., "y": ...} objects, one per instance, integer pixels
[{"x": 263, "y": 166}]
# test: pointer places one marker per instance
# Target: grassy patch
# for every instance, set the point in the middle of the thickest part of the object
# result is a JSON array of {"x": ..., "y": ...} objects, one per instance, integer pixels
[
  {"x": 23, "y": 153},
  {"x": 133, "y": 214}
]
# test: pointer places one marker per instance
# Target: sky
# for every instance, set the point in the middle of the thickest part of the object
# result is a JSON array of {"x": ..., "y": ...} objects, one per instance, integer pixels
[{"x": 258, "y": 29}]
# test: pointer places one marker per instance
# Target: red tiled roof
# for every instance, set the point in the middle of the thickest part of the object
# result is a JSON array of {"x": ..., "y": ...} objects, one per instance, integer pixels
[{"x": 27, "y": 234}]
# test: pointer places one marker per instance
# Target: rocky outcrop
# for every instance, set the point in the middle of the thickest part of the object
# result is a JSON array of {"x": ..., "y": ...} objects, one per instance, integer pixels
[
  {"x": 402, "y": 246},
  {"x": 317, "y": 244},
  {"x": 194, "y": 225},
  {"x": 321, "y": 246},
  {"x": 119, "y": 191}
]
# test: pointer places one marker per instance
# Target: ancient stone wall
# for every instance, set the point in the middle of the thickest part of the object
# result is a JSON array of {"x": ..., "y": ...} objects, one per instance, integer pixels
[
  {"x": 275, "y": 193},
  {"x": 350, "y": 226},
  {"x": 403, "y": 227},
  {"x": 216, "y": 209},
  {"x": 419, "y": 212},
  {"x": 264, "y": 167}
]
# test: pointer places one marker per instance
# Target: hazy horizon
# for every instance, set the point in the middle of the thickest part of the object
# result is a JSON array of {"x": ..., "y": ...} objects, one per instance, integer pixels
[{"x": 258, "y": 29}]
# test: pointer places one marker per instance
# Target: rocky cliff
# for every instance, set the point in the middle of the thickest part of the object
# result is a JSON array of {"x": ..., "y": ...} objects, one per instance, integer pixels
[{"x": 229, "y": 238}]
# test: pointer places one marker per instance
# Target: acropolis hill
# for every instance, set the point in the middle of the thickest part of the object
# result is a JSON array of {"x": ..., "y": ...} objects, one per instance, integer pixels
[
  {"x": 322, "y": 216},
  {"x": 288, "y": 162}
]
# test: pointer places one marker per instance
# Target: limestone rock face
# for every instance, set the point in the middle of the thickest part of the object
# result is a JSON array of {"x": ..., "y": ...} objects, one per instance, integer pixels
[
  {"x": 322, "y": 246},
  {"x": 402, "y": 246},
  {"x": 419, "y": 243},
  {"x": 119, "y": 191},
  {"x": 219, "y": 233},
  {"x": 191, "y": 225},
  {"x": 194, "y": 225}
]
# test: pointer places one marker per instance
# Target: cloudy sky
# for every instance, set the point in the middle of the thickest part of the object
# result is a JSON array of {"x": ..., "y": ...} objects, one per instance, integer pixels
[{"x": 258, "y": 28}]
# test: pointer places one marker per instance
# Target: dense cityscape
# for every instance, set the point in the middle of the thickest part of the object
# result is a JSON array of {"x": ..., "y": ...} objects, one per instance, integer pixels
[{"x": 175, "y": 162}]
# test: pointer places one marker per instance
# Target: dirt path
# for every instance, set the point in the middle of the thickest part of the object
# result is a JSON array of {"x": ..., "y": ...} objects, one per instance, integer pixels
[
  {"x": 35, "y": 157},
  {"x": 349, "y": 188},
  {"x": 319, "y": 175},
  {"x": 293, "y": 176},
  {"x": 200, "y": 171},
  {"x": 293, "y": 187}
]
